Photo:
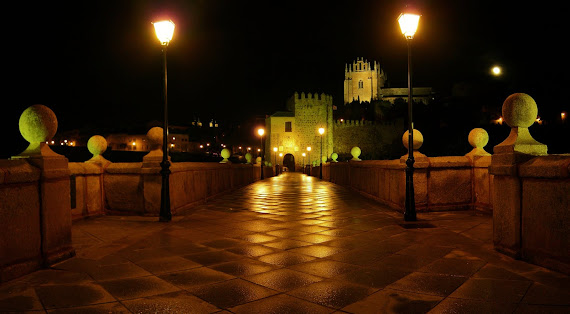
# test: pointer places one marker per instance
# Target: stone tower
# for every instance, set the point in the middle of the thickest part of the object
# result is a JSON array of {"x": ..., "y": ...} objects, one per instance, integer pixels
[
  {"x": 292, "y": 131},
  {"x": 363, "y": 81}
]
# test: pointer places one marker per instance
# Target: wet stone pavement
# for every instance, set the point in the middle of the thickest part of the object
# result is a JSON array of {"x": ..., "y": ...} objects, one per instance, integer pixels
[{"x": 288, "y": 244}]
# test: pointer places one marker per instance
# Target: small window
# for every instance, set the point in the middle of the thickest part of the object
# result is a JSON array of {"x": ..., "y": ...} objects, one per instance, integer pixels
[
  {"x": 360, "y": 84},
  {"x": 288, "y": 127}
]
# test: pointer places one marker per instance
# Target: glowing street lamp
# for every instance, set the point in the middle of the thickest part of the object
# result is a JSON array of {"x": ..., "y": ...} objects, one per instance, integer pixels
[
  {"x": 321, "y": 132},
  {"x": 409, "y": 25},
  {"x": 164, "y": 31},
  {"x": 496, "y": 70},
  {"x": 261, "y": 131}
]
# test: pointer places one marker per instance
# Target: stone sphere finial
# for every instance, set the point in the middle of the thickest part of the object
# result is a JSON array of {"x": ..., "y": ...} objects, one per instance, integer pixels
[
  {"x": 225, "y": 154},
  {"x": 97, "y": 145},
  {"x": 154, "y": 136},
  {"x": 248, "y": 158},
  {"x": 38, "y": 123},
  {"x": 478, "y": 138},
  {"x": 334, "y": 157},
  {"x": 519, "y": 110},
  {"x": 418, "y": 139},
  {"x": 355, "y": 152},
  {"x": 258, "y": 160}
]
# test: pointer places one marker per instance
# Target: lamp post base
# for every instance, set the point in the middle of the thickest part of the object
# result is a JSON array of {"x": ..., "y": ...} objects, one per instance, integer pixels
[
  {"x": 165, "y": 214},
  {"x": 410, "y": 205}
]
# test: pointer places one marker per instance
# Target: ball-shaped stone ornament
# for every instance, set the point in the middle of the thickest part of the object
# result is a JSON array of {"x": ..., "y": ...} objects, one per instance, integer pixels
[
  {"x": 97, "y": 145},
  {"x": 355, "y": 152},
  {"x": 334, "y": 156},
  {"x": 478, "y": 138},
  {"x": 225, "y": 153},
  {"x": 154, "y": 136},
  {"x": 258, "y": 160},
  {"x": 418, "y": 139},
  {"x": 38, "y": 123},
  {"x": 519, "y": 110},
  {"x": 248, "y": 157}
]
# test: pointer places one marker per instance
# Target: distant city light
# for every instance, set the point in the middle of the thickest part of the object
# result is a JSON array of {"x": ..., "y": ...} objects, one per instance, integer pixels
[
  {"x": 249, "y": 148},
  {"x": 260, "y": 131},
  {"x": 201, "y": 146},
  {"x": 498, "y": 121},
  {"x": 496, "y": 70},
  {"x": 563, "y": 115}
]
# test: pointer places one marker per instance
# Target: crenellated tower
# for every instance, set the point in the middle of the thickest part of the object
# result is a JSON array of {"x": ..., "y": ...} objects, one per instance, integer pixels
[{"x": 363, "y": 81}]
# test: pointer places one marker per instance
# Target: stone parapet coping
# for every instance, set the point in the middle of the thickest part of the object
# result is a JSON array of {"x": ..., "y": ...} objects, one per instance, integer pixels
[
  {"x": 551, "y": 166},
  {"x": 84, "y": 168}
]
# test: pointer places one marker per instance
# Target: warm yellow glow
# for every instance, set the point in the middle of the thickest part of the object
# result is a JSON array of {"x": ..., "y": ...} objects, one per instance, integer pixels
[
  {"x": 341, "y": 120},
  {"x": 321, "y": 131},
  {"x": 239, "y": 147},
  {"x": 134, "y": 143},
  {"x": 259, "y": 149},
  {"x": 538, "y": 120},
  {"x": 309, "y": 148},
  {"x": 498, "y": 121},
  {"x": 201, "y": 146},
  {"x": 164, "y": 31},
  {"x": 280, "y": 154},
  {"x": 249, "y": 148},
  {"x": 496, "y": 70},
  {"x": 303, "y": 154},
  {"x": 274, "y": 149},
  {"x": 207, "y": 144},
  {"x": 260, "y": 131},
  {"x": 563, "y": 115},
  {"x": 171, "y": 145},
  {"x": 408, "y": 24}
]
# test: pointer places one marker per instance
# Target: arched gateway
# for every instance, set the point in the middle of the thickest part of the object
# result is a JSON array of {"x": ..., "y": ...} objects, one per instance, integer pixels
[{"x": 289, "y": 162}]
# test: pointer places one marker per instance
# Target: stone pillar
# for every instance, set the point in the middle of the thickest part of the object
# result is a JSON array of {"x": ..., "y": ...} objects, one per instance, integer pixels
[
  {"x": 519, "y": 112},
  {"x": 38, "y": 124}
]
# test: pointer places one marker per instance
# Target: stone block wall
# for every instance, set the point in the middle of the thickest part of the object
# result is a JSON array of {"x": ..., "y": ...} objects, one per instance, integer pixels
[{"x": 440, "y": 183}]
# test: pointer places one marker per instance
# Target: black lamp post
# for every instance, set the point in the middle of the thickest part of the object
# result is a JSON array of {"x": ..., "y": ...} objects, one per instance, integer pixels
[
  {"x": 409, "y": 24},
  {"x": 261, "y": 131},
  {"x": 164, "y": 31},
  {"x": 321, "y": 132}
]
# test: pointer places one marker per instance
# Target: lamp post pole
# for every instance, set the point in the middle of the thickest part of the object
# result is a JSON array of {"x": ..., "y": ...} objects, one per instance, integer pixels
[
  {"x": 410, "y": 206},
  {"x": 261, "y": 131},
  {"x": 164, "y": 31},
  {"x": 409, "y": 24},
  {"x": 321, "y": 131}
]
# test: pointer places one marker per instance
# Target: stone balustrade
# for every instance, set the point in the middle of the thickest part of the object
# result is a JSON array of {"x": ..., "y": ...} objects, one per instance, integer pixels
[{"x": 41, "y": 192}]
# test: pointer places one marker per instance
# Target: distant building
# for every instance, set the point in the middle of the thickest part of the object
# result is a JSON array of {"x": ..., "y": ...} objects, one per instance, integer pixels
[
  {"x": 139, "y": 142},
  {"x": 365, "y": 81},
  {"x": 292, "y": 131}
]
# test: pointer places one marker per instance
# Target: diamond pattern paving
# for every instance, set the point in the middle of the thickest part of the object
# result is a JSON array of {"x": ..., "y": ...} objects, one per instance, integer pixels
[{"x": 288, "y": 244}]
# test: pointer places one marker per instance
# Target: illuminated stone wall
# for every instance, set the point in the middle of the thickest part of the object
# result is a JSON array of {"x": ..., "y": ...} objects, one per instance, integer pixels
[{"x": 376, "y": 140}]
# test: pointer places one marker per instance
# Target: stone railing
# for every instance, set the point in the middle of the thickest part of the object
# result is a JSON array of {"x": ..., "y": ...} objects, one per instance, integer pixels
[
  {"x": 41, "y": 192},
  {"x": 527, "y": 191},
  {"x": 440, "y": 183}
]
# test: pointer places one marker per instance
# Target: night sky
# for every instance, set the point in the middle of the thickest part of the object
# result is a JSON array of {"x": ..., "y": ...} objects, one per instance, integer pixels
[{"x": 98, "y": 63}]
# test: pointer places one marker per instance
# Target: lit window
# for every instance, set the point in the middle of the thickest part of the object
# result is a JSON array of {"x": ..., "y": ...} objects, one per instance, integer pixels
[{"x": 288, "y": 127}]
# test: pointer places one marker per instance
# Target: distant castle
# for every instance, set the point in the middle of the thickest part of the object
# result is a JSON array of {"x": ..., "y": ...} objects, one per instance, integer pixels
[
  {"x": 364, "y": 81},
  {"x": 292, "y": 131}
]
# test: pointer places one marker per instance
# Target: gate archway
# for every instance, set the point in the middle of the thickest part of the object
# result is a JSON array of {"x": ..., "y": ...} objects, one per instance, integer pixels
[{"x": 289, "y": 162}]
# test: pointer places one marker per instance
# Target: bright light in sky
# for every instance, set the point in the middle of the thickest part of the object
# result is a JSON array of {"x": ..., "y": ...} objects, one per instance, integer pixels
[{"x": 496, "y": 70}]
